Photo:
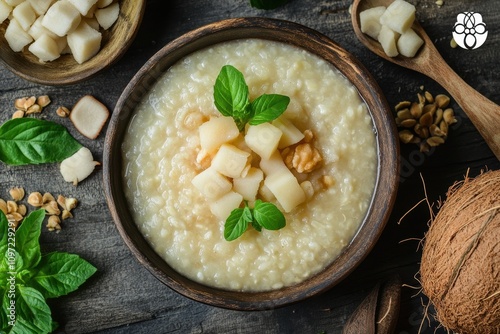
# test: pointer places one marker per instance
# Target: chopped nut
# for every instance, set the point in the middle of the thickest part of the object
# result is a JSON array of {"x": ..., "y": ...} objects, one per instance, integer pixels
[
  {"x": 71, "y": 203},
  {"x": 430, "y": 108},
  {"x": 327, "y": 181},
  {"x": 51, "y": 208},
  {"x": 17, "y": 193},
  {"x": 34, "y": 109},
  {"x": 435, "y": 141},
  {"x": 426, "y": 119},
  {"x": 53, "y": 223},
  {"x": 424, "y": 147},
  {"x": 428, "y": 97},
  {"x": 416, "y": 110},
  {"x": 404, "y": 114},
  {"x": 3, "y": 206},
  {"x": 18, "y": 114},
  {"x": 434, "y": 130},
  {"x": 66, "y": 214},
  {"x": 442, "y": 101},
  {"x": 438, "y": 116},
  {"x": 63, "y": 112},
  {"x": 22, "y": 210},
  {"x": 406, "y": 136},
  {"x": 43, "y": 101},
  {"x": 408, "y": 123},
  {"x": 47, "y": 197},
  {"x": 14, "y": 218},
  {"x": 421, "y": 99},
  {"x": 11, "y": 207},
  {"x": 402, "y": 105},
  {"x": 61, "y": 200},
  {"x": 24, "y": 103},
  {"x": 449, "y": 116},
  {"x": 308, "y": 136},
  {"x": 443, "y": 126},
  {"x": 306, "y": 158},
  {"x": 35, "y": 199}
]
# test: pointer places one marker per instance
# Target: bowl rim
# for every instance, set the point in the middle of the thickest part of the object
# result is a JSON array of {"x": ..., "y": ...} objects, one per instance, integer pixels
[
  {"x": 383, "y": 196},
  {"x": 19, "y": 63}
]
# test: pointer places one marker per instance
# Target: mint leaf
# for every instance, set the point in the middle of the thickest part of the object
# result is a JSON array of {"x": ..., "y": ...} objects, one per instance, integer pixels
[
  {"x": 268, "y": 107},
  {"x": 27, "y": 236},
  {"x": 33, "y": 141},
  {"x": 237, "y": 223},
  {"x": 60, "y": 274},
  {"x": 268, "y": 215},
  {"x": 32, "y": 312},
  {"x": 267, "y": 4},
  {"x": 230, "y": 92}
]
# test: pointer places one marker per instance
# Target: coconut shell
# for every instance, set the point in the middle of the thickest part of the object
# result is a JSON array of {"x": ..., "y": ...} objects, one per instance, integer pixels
[{"x": 460, "y": 268}]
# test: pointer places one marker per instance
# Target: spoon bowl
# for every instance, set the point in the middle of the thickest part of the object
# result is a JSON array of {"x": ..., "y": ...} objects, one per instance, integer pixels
[{"x": 483, "y": 113}]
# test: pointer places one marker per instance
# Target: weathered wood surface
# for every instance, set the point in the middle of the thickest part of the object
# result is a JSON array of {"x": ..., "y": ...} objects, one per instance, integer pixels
[{"x": 124, "y": 298}]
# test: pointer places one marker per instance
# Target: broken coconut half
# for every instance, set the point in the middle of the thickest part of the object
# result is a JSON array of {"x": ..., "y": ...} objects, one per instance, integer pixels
[
  {"x": 78, "y": 166},
  {"x": 89, "y": 116}
]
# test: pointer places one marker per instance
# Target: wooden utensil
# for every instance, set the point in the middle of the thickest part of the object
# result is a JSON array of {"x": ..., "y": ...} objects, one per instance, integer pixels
[
  {"x": 65, "y": 70},
  {"x": 484, "y": 114}
]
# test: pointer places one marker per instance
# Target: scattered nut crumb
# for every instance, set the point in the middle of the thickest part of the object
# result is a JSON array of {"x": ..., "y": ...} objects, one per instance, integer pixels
[
  {"x": 43, "y": 101},
  {"x": 63, "y": 111},
  {"x": 17, "y": 193},
  {"x": 54, "y": 223},
  {"x": 18, "y": 114},
  {"x": 35, "y": 199}
]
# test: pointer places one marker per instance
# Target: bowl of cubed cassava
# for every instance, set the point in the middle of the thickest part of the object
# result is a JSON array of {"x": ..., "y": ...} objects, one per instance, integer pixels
[
  {"x": 65, "y": 42},
  {"x": 251, "y": 163}
]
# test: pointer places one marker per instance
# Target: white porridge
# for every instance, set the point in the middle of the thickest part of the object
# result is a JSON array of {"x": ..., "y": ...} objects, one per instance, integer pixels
[{"x": 162, "y": 144}]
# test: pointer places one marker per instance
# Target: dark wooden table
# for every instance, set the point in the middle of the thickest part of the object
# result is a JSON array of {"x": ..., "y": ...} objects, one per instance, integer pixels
[{"x": 123, "y": 297}]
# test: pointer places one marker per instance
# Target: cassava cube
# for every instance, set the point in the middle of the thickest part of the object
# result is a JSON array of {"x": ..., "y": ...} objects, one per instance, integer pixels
[{"x": 460, "y": 268}]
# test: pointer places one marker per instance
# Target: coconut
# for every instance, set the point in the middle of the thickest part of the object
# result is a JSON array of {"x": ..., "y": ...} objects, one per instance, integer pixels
[{"x": 460, "y": 268}]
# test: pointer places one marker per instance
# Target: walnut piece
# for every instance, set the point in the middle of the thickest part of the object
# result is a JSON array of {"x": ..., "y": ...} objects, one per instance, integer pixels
[{"x": 303, "y": 157}]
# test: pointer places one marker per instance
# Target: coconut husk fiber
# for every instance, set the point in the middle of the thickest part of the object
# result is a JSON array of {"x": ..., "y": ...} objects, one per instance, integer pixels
[{"x": 460, "y": 268}]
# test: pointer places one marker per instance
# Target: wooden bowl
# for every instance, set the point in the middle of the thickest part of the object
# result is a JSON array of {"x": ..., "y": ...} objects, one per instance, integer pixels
[
  {"x": 282, "y": 31},
  {"x": 65, "y": 70}
]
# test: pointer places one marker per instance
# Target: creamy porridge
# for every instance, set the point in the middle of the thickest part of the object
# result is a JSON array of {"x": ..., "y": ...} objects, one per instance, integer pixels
[{"x": 162, "y": 144}]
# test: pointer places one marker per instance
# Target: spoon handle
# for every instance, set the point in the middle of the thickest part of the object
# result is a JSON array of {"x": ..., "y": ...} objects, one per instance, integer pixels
[{"x": 483, "y": 113}]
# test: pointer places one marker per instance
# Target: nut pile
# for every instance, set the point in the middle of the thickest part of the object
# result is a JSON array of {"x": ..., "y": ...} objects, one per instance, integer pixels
[
  {"x": 426, "y": 122},
  {"x": 15, "y": 211},
  {"x": 34, "y": 105}
]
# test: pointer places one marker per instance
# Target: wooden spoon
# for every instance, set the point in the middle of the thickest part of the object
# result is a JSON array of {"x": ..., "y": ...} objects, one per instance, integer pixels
[{"x": 483, "y": 113}]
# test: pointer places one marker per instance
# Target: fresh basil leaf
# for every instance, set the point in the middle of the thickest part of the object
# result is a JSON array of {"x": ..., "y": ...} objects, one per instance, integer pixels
[
  {"x": 256, "y": 225},
  {"x": 32, "y": 312},
  {"x": 237, "y": 223},
  {"x": 5, "y": 302},
  {"x": 267, "y": 4},
  {"x": 33, "y": 141},
  {"x": 27, "y": 236},
  {"x": 268, "y": 215},
  {"x": 231, "y": 94},
  {"x": 268, "y": 107},
  {"x": 60, "y": 273}
]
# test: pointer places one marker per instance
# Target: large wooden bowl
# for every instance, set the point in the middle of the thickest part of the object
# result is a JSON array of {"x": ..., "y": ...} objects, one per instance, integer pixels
[
  {"x": 282, "y": 31},
  {"x": 65, "y": 70}
]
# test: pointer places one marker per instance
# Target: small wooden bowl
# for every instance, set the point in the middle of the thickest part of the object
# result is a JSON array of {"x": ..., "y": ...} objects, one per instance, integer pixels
[
  {"x": 302, "y": 37},
  {"x": 65, "y": 70}
]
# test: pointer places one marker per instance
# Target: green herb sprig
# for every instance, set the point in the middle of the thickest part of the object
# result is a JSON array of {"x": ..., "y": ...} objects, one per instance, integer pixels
[
  {"x": 231, "y": 96},
  {"x": 28, "y": 278},
  {"x": 263, "y": 215},
  {"x": 33, "y": 141}
]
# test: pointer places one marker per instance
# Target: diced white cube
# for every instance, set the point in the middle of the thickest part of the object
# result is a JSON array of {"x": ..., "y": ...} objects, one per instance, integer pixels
[
  {"x": 108, "y": 15},
  {"x": 37, "y": 29},
  {"x": 222, "y": 207},
  {"x": 61, "y": 18},
  {"x": 291, "y": 135},
  {"x": 211, "y": 183},
  {"x": 409, "y": 43},
  {"x": 217, "y": 131},
  {"x": 45, "y": 48},
  {"x": 265, "y": 193},
  {"x": 263, "y": 139},
  {"x": 83, "y": 6},
  {"x": 16, "y": 37},
  {"x": 92, "y": 22},
  {"x": 62, "y": 43},
  {"x": 5, "y": 10},
  {"x": 249, "y": 185},
  {"x": 274, "y": 164},
  {"x": 398, "y": 16},
  {"x": 286, "y": 189},
  {"x": 231, "y": 161},
  {"x": 369, "y": 20},
  {"x": 40, "y": 6},
  {"x": 84, "y": 42},
  {"x": 388, "y": 39},
  {"x": 24, "y": 14}
]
